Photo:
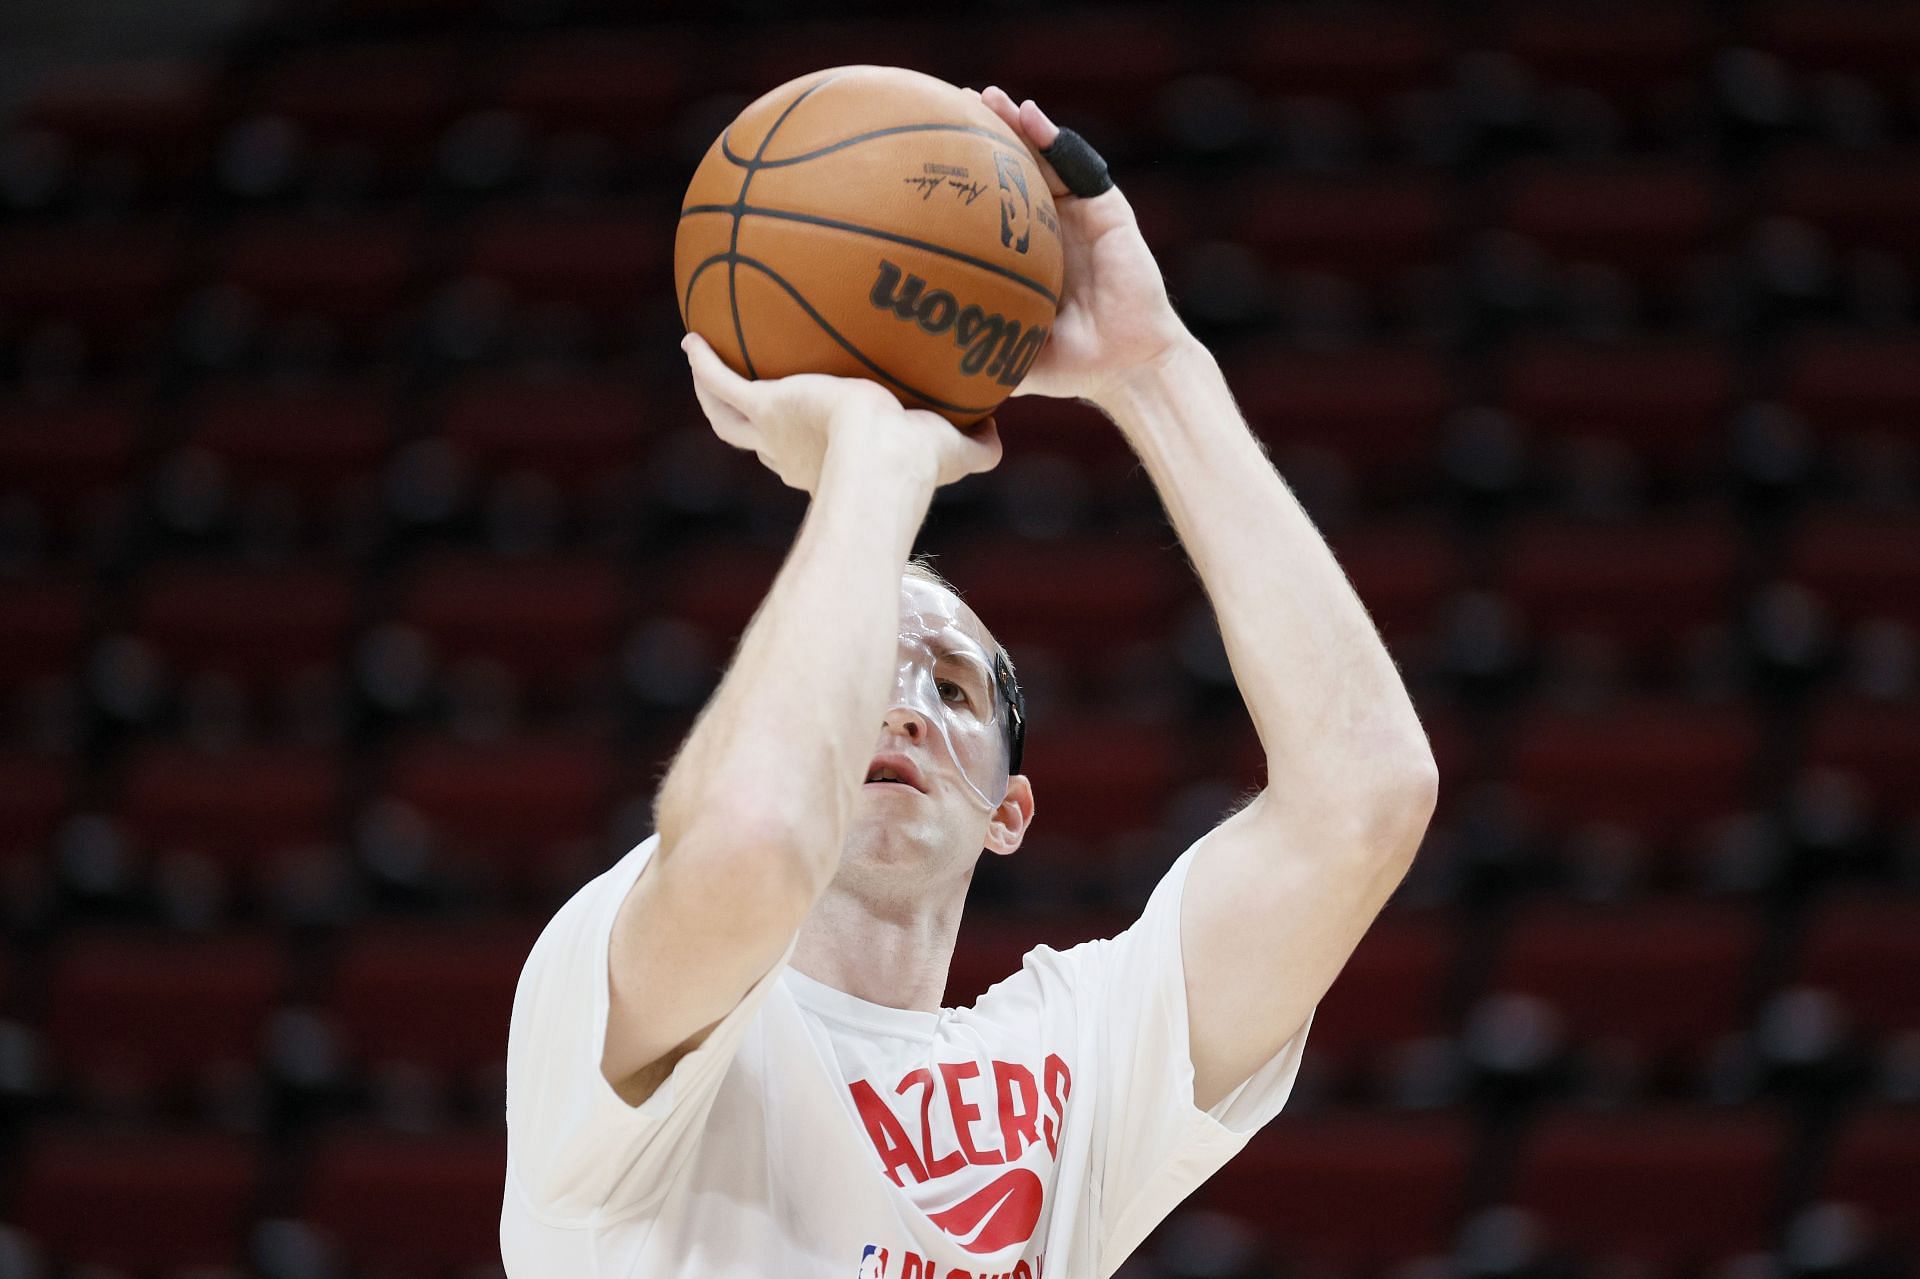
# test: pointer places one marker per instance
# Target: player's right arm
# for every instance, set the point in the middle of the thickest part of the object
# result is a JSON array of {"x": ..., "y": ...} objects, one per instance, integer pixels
[{"x": 753, "y": 812}]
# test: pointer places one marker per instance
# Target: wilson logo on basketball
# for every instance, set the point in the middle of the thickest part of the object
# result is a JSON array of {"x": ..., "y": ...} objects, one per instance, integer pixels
[{"x": 991, "y": 344}]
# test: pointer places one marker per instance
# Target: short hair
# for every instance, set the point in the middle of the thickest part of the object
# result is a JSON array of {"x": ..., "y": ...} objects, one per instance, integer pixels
[{"x": 920, "y": 568}]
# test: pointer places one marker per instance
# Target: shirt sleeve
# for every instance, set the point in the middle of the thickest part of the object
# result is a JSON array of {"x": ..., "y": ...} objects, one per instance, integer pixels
[
  {"x": 1155, "y": 1146},
  {"x": 575, "y": 1150}
]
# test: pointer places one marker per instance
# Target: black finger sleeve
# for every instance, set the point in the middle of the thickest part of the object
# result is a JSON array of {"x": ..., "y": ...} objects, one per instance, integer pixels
[{"x": 1078, "y": 164}]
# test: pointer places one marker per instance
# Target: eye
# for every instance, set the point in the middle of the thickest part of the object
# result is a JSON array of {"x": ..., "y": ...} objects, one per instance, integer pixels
[{"x": 949, "y": 690}]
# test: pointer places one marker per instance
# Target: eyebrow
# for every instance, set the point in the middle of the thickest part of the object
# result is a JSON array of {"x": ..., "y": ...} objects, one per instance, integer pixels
[{"x": 944, "y": 646}]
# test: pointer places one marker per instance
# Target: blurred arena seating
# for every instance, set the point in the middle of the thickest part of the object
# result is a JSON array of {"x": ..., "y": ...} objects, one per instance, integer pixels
[{"x": 364, "y": 557}]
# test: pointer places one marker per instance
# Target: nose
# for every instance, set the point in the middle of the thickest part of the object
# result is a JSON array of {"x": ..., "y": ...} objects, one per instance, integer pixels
[{"x": 905, "y": 719}]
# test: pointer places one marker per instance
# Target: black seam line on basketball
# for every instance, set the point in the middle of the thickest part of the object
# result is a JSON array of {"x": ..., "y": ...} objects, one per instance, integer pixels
[
  {"x": 1006, "y": 141},
  {"x": 741, "y": 210},
  {"x": 851, "y": 349},
  {"x": 733, "y": 243},
  {"x": 693, "y": 279}
]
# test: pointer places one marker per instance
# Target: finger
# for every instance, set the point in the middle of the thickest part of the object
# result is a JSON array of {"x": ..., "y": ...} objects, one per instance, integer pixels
[
  {"x": 1040, "y": 130},
  {"x": 996, "y": 99},
  {"x": 711, "y": 372}
]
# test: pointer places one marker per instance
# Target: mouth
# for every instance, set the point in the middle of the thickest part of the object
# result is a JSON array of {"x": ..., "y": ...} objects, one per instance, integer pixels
[{"x": 895, "y": 771}]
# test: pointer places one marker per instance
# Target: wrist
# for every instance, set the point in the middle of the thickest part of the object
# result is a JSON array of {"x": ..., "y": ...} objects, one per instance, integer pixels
[
  {"x": 879, "y": 448},
  {"x": 1139, "y": 390}
]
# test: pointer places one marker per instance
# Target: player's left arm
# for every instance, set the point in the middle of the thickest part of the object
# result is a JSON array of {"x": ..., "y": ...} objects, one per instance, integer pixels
[{"x": 1280, "y": 893}]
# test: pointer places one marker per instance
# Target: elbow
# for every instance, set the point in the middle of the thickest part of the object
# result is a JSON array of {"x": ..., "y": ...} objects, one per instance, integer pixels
[{"x": 1403, "y": 804}]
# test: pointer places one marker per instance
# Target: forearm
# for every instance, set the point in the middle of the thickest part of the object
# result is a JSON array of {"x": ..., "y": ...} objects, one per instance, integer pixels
[
  {"x": 782, "y": 747},
  {"x": 1330, "y": 709}
]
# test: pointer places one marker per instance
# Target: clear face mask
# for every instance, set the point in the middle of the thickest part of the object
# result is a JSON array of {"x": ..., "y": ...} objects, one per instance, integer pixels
[{"x": 946, "y": 677}]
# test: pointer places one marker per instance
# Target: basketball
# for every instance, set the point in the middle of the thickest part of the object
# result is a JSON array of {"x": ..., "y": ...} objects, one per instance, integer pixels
[{"x": 873, "y": 222}]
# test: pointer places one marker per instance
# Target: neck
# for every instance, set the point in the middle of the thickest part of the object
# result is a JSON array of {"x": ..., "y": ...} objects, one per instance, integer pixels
[{"x": 892, "y": 952}]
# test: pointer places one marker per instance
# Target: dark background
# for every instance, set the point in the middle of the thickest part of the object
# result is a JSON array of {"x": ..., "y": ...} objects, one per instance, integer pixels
[{"x": 363, "y": 556}]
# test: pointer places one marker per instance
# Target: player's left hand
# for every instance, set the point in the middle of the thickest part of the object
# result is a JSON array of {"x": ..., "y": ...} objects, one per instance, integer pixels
[{"x": 1114, "y": 316}]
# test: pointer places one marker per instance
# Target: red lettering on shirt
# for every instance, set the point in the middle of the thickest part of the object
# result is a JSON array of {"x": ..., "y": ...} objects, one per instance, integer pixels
[
  {"x": 965, "y": 1113},
  {"x": 1059, "y": 1085},
  {"x": 1019, "y": 1107},
  {"x": 936, "y": 1165},
  {"x": 889, "y": 1138}
]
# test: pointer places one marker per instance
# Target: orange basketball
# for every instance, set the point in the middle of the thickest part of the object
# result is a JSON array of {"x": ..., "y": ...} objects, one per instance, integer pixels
[{"x": 873, "y": 222}]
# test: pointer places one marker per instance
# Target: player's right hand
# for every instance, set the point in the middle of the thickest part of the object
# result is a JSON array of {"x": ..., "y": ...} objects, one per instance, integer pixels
[{"x": 789, "y": 422}]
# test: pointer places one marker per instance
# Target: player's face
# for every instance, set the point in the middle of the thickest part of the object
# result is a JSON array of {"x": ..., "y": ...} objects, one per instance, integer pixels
[{"x": 940, "y": 728}]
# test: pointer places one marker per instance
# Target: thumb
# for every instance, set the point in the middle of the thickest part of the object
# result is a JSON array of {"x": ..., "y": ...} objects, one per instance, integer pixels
[
  {"x": 711, "y": 374},
  {"x": 982, "y": 447}
]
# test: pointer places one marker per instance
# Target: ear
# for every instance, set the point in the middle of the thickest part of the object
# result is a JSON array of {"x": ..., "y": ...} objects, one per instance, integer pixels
[{"x": 1009, "y": 822}]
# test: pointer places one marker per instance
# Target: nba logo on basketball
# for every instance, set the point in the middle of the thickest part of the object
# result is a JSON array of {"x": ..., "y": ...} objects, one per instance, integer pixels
[
  {"x": 1016, "y": 208},
  {"x": 873, "y": 1263}
]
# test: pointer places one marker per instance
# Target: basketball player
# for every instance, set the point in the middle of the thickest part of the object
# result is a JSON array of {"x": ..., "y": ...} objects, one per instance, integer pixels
[{"x": 728, "y": 1058}]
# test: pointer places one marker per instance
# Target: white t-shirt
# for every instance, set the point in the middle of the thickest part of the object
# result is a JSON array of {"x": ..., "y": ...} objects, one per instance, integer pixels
[{"x": 1039, "y": 1134}]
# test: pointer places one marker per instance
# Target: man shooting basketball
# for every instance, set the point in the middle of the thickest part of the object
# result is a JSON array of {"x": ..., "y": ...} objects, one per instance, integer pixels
[{"x": 728, "y": 1057}]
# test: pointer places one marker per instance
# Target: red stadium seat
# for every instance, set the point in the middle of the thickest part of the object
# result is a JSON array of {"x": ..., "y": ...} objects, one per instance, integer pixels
[
  {"x": 435, "y": 997},
  {"x": 717, "y": 587},
  {"x": 575, "y": 430},
  {"x": 1667, "y": 405},
  {"x": 884, "y": 37},
  {"x": 71, "y": 458},
  {"x": 391, "y": 102},
  {"x": 257, "y": 625},
  {"x": 1372, "y": 229},
  {"x": 609, "y": 260},
  {"x": 153, "y": 115},
  {"x": 1859, "y": 202},
  {"x": 1661, "y": 771},
  {"x": 1876, "y": 41},
  {"x": 1874, "y": 1166},
  {"x": 43, "y": 628},
  {"x": 35, "y": 791},
  {"x": 397, "y": 1204},
  {"x": 1638, "y": 56},
  {"x": 315, "y": 441},
  {"x": 353, "y": 272},
  {"x": 550, "y": 622},
  {"x": 623, "y": 89},
  {"x": 1363, "y": 55},
  {"x": 239, "y": 808},
  {"x": 1316, "y": 1186},
  {"x": 1044, "y": 426},
  {"x": 1403, "y": 573},
  {"x": 1137, "y": 47},
  {"x": 138, "y": 1202},
  {"x": 114, "y": 283},
  {"x": 1086, "y": 597},
  {"x": 146, "y": 1014},
  {"x": 1673, "y": 1189},
  {"x": 1652, "y": 985},
  {"x": 1861, "y": 565},
  {"x": 1392, "y": 992},
  {"x": 1648, "y": 588},
  {"x": 1097, "y": 780},
  {"x": 1855, "y": 383},
  {"x": 1374, "y": 412},
  {"x": 1855, "y": 947},
  {"x": 1875, "y": 743},
  {"x": 512, "y": 808},
  {"x": 1647, "y": 220}
]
